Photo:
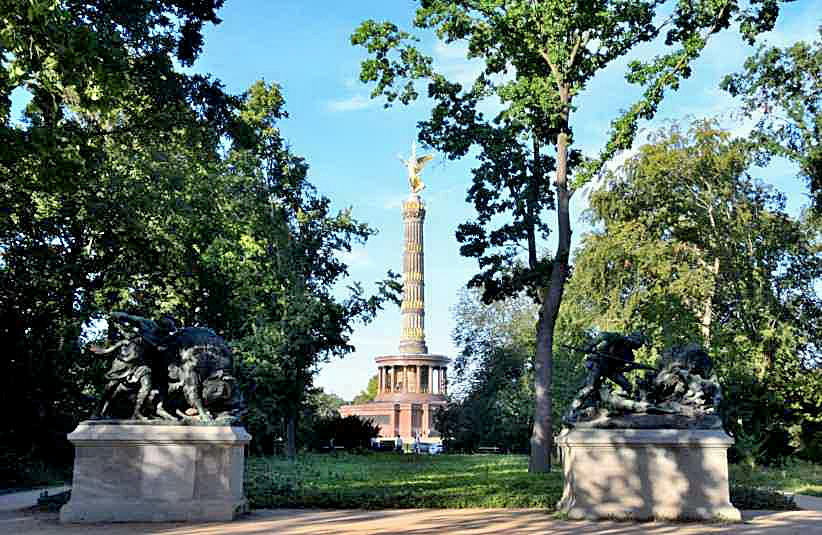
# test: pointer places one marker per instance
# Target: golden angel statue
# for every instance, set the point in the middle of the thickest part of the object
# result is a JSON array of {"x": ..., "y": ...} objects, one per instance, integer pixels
[{"x": 414, "y": 166}]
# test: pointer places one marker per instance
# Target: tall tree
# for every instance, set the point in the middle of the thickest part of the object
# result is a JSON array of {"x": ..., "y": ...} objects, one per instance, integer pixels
[
  {"x": 298, "y": 320},
  {"x": 692, "y": 248},
  {"x": 129, "y": 185},
  {"x": 686, "y": 227},
  {"x": 85, "y": 177},
  {"x": 784, "y": 86},
  {"x": 537, "y": 56}
]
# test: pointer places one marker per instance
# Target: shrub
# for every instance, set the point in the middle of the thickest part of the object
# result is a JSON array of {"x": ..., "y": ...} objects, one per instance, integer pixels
[
  {"x": 750, "y": 498},
  {"x": 351, "y": 433}
]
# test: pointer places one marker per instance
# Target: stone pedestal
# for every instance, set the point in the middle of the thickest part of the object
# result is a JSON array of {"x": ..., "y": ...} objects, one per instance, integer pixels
[
  {"x": 646, "y": 473},
  {"x": 135, "y": 472}
]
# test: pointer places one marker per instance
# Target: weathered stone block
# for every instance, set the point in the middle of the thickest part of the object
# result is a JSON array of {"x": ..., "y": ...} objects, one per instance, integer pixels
[
  {"x": 134, "y": 472},
  {"x": 646, "y": 473}
]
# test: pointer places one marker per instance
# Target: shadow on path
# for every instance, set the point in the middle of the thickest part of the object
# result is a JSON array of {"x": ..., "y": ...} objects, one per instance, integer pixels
[{"x": 418, "y": 522}]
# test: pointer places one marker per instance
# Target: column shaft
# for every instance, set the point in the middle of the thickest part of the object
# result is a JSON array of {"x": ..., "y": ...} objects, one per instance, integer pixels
[{"x": 413, "y": 304}]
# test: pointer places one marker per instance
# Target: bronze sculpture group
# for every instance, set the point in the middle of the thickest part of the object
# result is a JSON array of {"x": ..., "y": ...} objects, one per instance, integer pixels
[
  {"x": 683, "y": 391},
  {"x": 160, "y": 372}
]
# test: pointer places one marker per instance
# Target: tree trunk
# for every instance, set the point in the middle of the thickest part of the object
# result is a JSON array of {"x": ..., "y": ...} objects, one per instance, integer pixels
[
  {"x": 531, "y": 203},
  {"x": 542, "y": 438},
  {"x": 708, "y": 311},
  {"x": 291, "y": 436}
]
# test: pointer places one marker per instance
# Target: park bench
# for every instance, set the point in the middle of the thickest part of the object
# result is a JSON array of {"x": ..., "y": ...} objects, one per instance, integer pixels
[{"x": 489, "y": 449}]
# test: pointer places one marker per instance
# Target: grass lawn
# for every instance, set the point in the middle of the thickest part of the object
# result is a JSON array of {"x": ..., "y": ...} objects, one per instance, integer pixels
[
  {"x": 800, "y": 477},
  {"x": 388, "y": 480}
]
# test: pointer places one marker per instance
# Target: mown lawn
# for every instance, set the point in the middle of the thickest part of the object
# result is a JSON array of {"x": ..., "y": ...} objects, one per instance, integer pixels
[
  {"x": 388, "y": 480},
  {"x": 796, "y": 476}
]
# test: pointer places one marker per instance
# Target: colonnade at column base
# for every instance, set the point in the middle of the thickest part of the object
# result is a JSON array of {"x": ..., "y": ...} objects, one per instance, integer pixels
[{"x": 410, "y": 389}]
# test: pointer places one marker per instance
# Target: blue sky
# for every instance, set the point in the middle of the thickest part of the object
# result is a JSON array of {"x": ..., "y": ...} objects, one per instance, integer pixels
[{"x": 351, "y": 142}]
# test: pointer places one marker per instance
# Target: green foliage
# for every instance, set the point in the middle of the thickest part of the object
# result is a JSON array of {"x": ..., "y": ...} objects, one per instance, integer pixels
[
  {"x": 755, "y": 415},
  {"x": 749, "y": 498},
  {"x": 785, "y": 87},
  {"x": 128, "y": 185},
  {"x": 370, "y": 392},
  {"x": 352, "y": 433},
  {"x": 89, "y": 176},
  {"x": 19, "y": 470},
  {"x": 287, "y": 270},
  {"x": 325, "y": 405},
  {"x": 388, "y": 480},
  {"x": 535, "y": 58},
  {"x": 690, "y": 247},
  {"x": 295, "y": 319},
  {"x": 792, "y": 476},
  {"x": 494, "y": 381}
]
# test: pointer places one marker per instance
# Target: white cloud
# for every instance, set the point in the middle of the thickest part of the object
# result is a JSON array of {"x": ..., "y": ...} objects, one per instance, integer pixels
[
  {"x": 356, "y": 258},
  {"x": 354, "y": 103},
  {"x": 450, "y": 60}
]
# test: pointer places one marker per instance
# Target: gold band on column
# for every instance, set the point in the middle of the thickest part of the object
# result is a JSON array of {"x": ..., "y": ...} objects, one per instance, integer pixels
[{"x": 412, "y": 340}]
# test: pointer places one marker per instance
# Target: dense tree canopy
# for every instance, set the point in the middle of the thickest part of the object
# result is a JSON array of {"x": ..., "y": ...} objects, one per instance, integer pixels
[
  {"x": 127, "y": 185},
  {"x": 691, "y": 247},
  {"x": 536, "y": 58},
  {"x": 108, "y": 140},
  {"x": 784, "y": 88},
  {"x": 492, "y": 389}
]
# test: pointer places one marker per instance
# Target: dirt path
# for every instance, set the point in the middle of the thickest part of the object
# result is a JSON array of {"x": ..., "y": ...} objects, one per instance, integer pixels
[{"x": 418, "y": 522}]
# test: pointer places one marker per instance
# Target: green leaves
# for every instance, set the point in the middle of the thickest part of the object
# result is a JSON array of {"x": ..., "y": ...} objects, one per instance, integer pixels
[
  {"x": 286, "y": 268},
  {"x": 693, "y": 248},
  {"x": 535, "y": 57},
  {"x": 92, "y": 216},
  {"x": 369, "y": 393},
  {"x": 784, "y": 87},
  {"x": 384, "y": 40}
]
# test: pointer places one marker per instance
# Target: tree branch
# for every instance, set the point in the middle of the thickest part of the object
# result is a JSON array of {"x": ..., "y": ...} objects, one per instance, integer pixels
[
  {"x": 582, "y": 40},
  {"x": 558, "y": 78}
]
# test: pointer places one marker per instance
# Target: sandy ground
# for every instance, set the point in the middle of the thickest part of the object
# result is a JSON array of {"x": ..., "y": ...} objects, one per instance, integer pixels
[
  {"x": 15, "y": 519},
  {"x": 417, "y": 522}
]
